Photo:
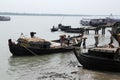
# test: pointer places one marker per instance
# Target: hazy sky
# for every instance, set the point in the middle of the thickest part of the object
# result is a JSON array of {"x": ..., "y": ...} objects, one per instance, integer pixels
[{"x": 62, "y": 6}]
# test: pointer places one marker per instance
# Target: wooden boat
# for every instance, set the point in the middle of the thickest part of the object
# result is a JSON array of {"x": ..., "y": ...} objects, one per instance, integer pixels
[
  {"x": 107, "y": 21},
  {"x": 68, "y": 29},
  {"x": 102, "y": 57},
  {"x": 72, "y": 37},
  {"x": 95, "y": 22},
  {"x": 4, "y": 18},
  {"x": 99, "y": 59},
  {"x": 62, "y": 27},
  {"x": 53, "y": 29},
  {"x": 85, "y": 22},
  {"x": 75, "y": 30},
  {"x": 37, "y": 46}
]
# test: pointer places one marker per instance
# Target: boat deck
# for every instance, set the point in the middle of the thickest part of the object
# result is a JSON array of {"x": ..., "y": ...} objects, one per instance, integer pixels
[{"x": 104, "y": 49}]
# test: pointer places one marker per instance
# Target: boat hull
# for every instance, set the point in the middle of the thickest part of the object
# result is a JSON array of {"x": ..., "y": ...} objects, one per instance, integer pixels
[
  {"x": 58, "y": 40},
  {"x": 97, "y": 63},
  {"x": 4, "y": 18},
  {"x": 74, "y": 31},
  {"x": 18, "y": 50},
  {"x": 54, "y": 29}
]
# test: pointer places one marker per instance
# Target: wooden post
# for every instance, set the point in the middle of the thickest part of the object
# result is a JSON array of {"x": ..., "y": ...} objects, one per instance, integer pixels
[
  {"x": 84, "y": 42},
  {"x": 103, "y": 30},
  {"x": 96, "y": 40},
  {"x": 111, "y": 40},
  {"x": 87, "y": 31},
  {"x": 97, "y": 31}
]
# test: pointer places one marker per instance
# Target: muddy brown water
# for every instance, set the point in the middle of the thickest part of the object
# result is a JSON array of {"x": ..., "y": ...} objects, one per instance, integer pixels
[{"x": 61, "y": 66}]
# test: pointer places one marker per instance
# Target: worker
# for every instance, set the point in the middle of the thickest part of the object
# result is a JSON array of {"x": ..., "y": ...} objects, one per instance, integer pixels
[
  {"x": 68, "y": 40},
  {"x": 84, "y": 42},
  {"x": 32, "y": 34},
  {"x": 111, "y": 42},
  {"x": 96, "y": 40},
  {"x": 62, "y": 39}
]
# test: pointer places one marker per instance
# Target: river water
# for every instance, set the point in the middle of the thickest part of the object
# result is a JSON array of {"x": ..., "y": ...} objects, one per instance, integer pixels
[{"x": 60, "y": 66}]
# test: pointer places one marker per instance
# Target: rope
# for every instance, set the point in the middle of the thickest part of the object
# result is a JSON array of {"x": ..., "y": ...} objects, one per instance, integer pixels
[{"x": 30, "y": 50}]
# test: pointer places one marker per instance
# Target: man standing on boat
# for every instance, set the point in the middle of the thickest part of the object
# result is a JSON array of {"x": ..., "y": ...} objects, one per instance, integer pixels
[
  {"x": 68, "y": 38},
  {"x": 84, "y": 42},
  {"x": 62, "y": 39},
  {"x": 32, "y": 34},
  {"x": 96, "y": 40}
]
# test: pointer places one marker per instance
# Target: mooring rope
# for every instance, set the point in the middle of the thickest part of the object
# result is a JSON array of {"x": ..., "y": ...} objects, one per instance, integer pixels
[{"x": 30, "y": 50}]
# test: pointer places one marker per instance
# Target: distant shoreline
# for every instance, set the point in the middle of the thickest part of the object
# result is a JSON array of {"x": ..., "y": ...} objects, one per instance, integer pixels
[{"x": 45, "y": 14}]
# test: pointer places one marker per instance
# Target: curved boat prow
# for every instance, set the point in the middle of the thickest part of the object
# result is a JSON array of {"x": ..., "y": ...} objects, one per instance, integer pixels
[
  {"x": 77, "y": 51},
  {"x": 9, "y": 41}
]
